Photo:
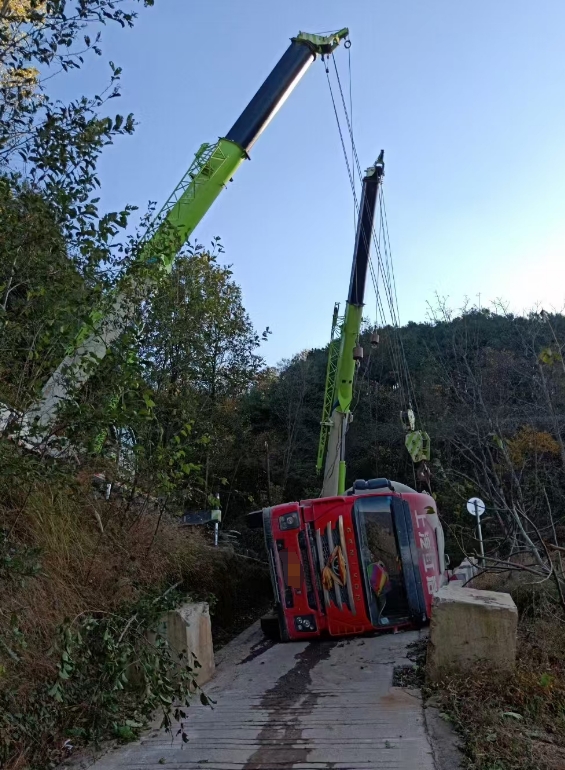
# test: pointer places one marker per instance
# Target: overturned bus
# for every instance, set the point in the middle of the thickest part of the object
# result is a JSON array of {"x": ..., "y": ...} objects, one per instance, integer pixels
[{"x": 368, "y": 560}]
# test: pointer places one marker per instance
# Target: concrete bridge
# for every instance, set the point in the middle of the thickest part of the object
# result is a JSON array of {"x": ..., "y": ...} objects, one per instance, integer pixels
[{"x": 305, "y": 706}]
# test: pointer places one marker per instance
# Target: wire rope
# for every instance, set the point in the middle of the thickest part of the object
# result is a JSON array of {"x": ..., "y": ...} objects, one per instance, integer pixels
[
  {"x": 382, "y": 274},
  {"x": 385, "y": 266}
]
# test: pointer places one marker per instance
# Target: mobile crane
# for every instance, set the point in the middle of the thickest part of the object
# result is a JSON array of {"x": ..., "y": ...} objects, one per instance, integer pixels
[
  {"x": 364, "y": 559},
  {"x": 213, "y": 166}
]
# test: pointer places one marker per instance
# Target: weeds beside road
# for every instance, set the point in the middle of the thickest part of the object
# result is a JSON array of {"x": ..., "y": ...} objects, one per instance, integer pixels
[
  {"x": 517, "y": 721},
  {"x": 82, "y": 580}
]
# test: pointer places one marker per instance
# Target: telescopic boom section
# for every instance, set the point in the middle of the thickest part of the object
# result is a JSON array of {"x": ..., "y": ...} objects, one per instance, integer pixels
[
  {"x": 213, "y": 167},
  {"x": 342, "y": 386},
  {"x": 279, "y": 85},
  {"x": 356, "y": 295}
]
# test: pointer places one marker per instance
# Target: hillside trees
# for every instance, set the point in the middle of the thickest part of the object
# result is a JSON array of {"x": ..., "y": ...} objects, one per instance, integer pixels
[
  {"x": 199, "y": 351},
  {"x": 502, "y": 431},
  {"x": 489, "y": 387},
  {"x": 41, "y": 290},
  {"x": 58, "y": 254}
]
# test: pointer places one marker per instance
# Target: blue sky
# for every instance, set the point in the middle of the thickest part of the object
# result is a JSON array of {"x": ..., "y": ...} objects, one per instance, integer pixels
[{"x": 467, "y": 99}]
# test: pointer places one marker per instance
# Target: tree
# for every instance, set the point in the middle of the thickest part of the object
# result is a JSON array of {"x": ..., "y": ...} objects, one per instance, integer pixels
[
  {"x": 200, "y": 357},
  {"x": 50, "y": 148},
  {"x": 59, "y": 256},
  {"x": 40, "y": 39},
  {"x": 40, "y": 291}
]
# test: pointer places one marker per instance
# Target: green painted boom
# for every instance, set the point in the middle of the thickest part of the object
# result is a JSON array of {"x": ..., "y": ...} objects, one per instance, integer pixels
[
  {"x": 211, "y": 170},
  {"x": 346, "y": 369}
]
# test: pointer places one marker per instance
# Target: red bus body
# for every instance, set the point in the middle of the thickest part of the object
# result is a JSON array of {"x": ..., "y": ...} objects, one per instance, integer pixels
[{"x": 323, "y": 552}]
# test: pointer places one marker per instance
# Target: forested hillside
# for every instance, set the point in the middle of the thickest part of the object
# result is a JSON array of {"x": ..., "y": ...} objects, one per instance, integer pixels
[{"x": 486, "y": 385}]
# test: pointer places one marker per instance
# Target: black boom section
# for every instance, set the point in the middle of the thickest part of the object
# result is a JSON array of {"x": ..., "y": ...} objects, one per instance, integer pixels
[
  {"x": 365, "y": 233},
  {"x": 256, "y": 116}
]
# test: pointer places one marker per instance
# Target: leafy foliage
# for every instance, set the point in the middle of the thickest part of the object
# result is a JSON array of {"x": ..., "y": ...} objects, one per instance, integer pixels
[
  {"x": 40, "y": 292},
  {"x": 110, "y": 679}
]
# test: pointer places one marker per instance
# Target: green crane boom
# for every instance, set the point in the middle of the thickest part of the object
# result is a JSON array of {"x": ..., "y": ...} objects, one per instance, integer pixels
[
  {"x": 213, "y": 167},
  {"x": 341, "y": 367}
]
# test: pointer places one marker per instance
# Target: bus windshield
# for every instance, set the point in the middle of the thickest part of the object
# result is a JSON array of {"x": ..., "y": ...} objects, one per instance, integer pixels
[{"x": 382, "y": 567}]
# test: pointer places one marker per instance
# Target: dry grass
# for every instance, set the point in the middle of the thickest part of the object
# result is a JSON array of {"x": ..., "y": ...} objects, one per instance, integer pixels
[
  {"x": 516, "y": 722},
  {"x": 96, "y": 557}
]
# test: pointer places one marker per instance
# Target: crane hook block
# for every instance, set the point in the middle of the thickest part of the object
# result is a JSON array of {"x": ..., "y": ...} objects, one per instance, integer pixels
[{"x": 418, "y": 446}]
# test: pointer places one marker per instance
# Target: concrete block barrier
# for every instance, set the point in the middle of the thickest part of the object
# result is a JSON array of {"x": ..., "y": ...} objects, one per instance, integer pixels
[
  {"x": 468, "y": 626},
  {"x": 188, "y": 631}
]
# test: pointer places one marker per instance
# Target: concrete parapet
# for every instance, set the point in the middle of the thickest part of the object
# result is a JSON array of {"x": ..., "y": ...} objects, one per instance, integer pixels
[
  {"x": 188, "y": 631},
  {"x": 468, "y": 626},
  {"x": 467, "y": 570}
]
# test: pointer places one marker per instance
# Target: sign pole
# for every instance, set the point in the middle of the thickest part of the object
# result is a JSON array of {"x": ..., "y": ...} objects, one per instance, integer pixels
[
  {"x": 216, "y": 516},
  {"x": 479, "y": 532},
  {"x": 476, "y": 508}
]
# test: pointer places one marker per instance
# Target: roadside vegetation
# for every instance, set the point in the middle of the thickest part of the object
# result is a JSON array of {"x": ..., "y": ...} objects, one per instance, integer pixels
[
  {"x": 517, "y": 721},
  {"x": 84, "y": 578}
]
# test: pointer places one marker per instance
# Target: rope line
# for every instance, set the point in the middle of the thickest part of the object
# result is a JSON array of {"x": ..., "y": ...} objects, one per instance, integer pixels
[
  {"x": 384, "y": 275},
  {"x": 381, "y": 265}
]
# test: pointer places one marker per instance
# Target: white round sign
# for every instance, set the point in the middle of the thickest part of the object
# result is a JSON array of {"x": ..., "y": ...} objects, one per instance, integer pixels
[{"x": 475, "y": 506}]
